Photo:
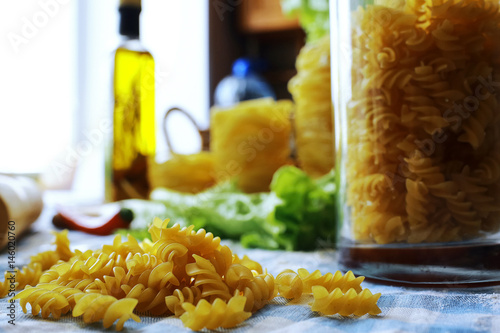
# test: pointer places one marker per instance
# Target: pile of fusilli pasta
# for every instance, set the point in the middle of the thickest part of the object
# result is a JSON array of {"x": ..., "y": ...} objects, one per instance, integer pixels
[
  {"x": 182, "y": 272},
  {"x": 311, "y": 91},
  {"x": 423, "y": 158},
  {"x": 250, "y": 141}
]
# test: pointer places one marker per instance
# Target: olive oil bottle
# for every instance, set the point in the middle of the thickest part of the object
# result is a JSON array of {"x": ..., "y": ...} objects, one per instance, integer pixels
[{"x": 133, "y": 144}]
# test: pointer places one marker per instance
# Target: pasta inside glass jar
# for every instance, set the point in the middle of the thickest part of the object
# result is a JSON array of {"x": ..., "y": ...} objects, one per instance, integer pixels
[{"x": 416, "y": 84}]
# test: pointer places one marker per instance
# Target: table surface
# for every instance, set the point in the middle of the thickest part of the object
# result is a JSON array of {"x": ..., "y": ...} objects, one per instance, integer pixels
[{"x": 404, "y": 309}]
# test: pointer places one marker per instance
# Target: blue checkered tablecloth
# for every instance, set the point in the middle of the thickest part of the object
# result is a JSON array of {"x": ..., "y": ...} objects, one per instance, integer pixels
[{"x": 403, "y": 309}]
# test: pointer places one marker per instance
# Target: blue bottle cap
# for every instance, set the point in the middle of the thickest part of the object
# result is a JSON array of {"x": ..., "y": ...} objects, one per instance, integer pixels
[{"x": 242, "y": 67}]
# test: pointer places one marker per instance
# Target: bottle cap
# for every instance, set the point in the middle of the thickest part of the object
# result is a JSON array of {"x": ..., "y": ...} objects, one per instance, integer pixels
[
  {"x": 136, "y": 3},
  {"x": 129, "y": 17},
  {"x": 242, "y": 67}
]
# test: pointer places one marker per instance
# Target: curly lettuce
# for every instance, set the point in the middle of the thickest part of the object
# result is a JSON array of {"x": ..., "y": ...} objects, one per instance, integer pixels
[
  {"x": 297, "y": 214},
  {"x": 313, "y": 16}
]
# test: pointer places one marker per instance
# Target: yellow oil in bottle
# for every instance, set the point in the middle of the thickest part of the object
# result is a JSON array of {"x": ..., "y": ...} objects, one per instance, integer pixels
[{"x": 133, "y": 124}]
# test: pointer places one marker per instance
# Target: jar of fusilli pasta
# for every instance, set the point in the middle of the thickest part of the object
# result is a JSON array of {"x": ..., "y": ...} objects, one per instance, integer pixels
[{"x": 416, "y": 89}]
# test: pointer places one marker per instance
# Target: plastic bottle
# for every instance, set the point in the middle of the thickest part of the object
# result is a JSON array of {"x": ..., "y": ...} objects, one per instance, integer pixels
[{"x": 243, "y": 84}]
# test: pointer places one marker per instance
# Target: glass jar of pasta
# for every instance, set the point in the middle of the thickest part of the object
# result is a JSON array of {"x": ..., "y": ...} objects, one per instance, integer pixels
[{"x": 416, "y": 89}]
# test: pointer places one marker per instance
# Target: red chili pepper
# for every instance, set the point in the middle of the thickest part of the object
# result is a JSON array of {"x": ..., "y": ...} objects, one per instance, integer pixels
[{"x": 76, "y": 221}]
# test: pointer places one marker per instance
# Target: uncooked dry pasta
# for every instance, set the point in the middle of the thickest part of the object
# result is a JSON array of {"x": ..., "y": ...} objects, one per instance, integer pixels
[
  {"x": 184, "y": 272},
  {"x": 311, "y": 91},
  {"x": 192, "y": 173},
  {"x": 290, "y": 284},
  {"x": 248, "y": 263},
  {"x": 174, "y": 302},
  {"x": 250, "y": 141},
  {"x": 424, "y": 122},
  {"x": 94, "y": 307},
  {"x": 330, "y": 281},
  {"x": 345, "y": 304},
  {"x": 216, "y": 314},
  {"x": 31, "y": 273}
]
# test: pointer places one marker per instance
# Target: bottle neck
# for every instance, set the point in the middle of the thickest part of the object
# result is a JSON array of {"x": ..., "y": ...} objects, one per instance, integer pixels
[{"x": 129, "y": 21}]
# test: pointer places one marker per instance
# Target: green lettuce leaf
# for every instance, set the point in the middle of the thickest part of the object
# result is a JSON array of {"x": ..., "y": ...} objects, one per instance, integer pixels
[
  {"x": 297, "y": 214},
  {"x": 313, "y": 16}
]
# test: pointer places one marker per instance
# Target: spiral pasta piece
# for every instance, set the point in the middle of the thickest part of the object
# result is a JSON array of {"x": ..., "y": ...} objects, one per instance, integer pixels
[
  {"x": 149, "y": 299},
  {"x": 28, "y": 275},
  {"x": 199, "y": 242},
  {"x": 330, "y": 303},
  {"x": 43, "y": 300},
  {"x": 185, "y": 295},
  {"x": 167, "y": 251},
  {"x": 207, "y": 279},
  {"x": 46, "y": 259},
  {"x": 258, "y": 291},
  {"x": 140, "y": 262},
  {"x": 123, "y": 248},
  {"x": 217, "y": 314},
  {"x": 248, "y": 263},
  {"x": 290, "y": 284},
  {"x": 63, "y": 250},
  {"x": 330, "y": 281},
  {"x": 94, "y": 307}
]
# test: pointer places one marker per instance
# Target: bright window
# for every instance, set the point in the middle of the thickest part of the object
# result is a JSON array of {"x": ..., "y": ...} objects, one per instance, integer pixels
[
  {"x": 56, "y": 68},
  {"x": 37, "y": 82}
]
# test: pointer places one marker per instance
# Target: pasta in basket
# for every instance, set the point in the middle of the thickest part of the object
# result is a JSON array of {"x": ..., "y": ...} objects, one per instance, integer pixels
[
  {"x": 184, "y": 272},
  {"x": 424, "y": 121}
]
